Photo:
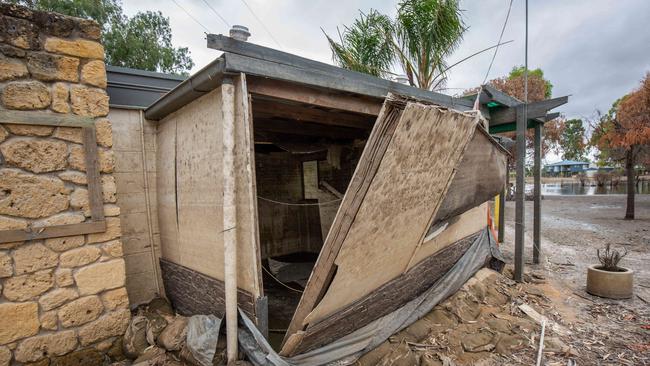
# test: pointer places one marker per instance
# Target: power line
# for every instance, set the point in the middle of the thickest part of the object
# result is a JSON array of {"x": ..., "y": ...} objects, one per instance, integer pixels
[
  {"x": 497, "y": 49},
  {"x": 190, "y": 15},
  {"x": 217, "y": 13},
  {"x": 262, "y": 23}
]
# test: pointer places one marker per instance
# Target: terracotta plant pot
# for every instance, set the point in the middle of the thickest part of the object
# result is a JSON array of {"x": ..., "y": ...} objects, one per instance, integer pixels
[{"x": 613, "y": 285}]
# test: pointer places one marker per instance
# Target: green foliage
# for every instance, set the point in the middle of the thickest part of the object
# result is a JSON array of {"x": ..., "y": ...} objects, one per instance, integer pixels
[
  {"x": 518, "y": 71},
  {"x": 142, "y": 41},
  {"x": 145, "y": 42},
  {"x": 420, "y": 38},
  {"x": 102, "y": 11},
  {"x": 572, "y": 140},
  {"x": 365, "y": 46},
  {"x": 427, "y": 32}
]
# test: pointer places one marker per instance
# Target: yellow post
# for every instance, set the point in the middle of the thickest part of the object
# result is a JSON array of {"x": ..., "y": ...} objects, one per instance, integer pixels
[{"x": 496, "y": 213}]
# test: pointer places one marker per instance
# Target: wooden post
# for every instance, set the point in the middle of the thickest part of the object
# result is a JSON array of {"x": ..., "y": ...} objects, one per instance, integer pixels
[
  {"x": 502, "y": 211},
  {"x": 229, "y": 216},
  {"x": 537, "y": 195},
  {"x": 520, "y": 193}
]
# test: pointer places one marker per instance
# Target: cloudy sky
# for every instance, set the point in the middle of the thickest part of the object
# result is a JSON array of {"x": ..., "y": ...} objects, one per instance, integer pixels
[{"x": 593, "y": 50}]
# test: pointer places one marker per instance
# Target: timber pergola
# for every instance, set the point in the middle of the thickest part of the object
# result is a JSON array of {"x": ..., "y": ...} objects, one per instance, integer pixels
[
  {"x": 508, "y": 114},
  {"x": 340, "y": 94}
]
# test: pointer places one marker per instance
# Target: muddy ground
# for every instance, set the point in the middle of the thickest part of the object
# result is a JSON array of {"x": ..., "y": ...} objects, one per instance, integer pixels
[{"x": 573, "y": 227}]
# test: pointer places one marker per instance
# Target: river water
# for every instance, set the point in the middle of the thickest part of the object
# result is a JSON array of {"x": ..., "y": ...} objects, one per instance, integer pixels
[{"x": 563, "y": 189}]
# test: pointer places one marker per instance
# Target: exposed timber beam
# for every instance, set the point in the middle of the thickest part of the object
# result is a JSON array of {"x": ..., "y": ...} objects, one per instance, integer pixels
[
  {"x": 308, "y": 129},
  {"x": 509, "y": 127},
  {"x": 535, "y": 110},
  {"x": 304, "y": 94},
  {"x": 264, "y": 108}
]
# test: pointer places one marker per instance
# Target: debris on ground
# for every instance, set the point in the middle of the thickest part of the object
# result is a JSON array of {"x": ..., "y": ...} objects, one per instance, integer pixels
[{"x": 493, "y": 320}]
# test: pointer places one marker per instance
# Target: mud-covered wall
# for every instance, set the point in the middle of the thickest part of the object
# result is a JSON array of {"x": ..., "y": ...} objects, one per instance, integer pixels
[{"x": 62, "y": 298}]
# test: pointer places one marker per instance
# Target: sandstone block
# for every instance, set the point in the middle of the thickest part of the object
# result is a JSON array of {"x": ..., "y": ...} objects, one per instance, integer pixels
[
  {"x": 5, "y": 356},
  {"x": 111, "y": 210},
  {"x": 19, "y": 32},
  {"x": 18, "y": 321},
  {"x": 79, "y": 257},
  {"x": 65, "y": 218},
  {"x": 104, "y": 132},
  {"x": 12, "y": 51},
  {"x": 61, "y": 98},
  {"x": 74, "y": 177},
  {"x": 9, "y": 223},
  {"x": 26, "y": 95},
  {"x": 6, "y": 269},
  {"x": 3, "y": 134},
  {"x": 94, "y": 73},
  {"x": 56, "y": 298},
  {"x": 82, "y": 357},
  {"x": 55, "y": 344},
  {"x": 26, "y": 287},
  {"x": 109, "y": 189},
  {"x": 53, "y": 23},
  {"x": 65, "y": 243},
  {"x": 49, "y": 320},
  {"x": 79, "y": 47},
  {"x": 113, "y": 231},
  {"x": 112, "y": 324},
  {"x": 35, "y": 155},
  {"x": 11, "y": 68},
  {"x": 89, "y": 29},
  {"x": 29, "y": 130},
  {"x": 33, "y": 257},
  {"x": 72, "y": 134},
  {"x": 80, "y": 311},
  {"x": 116, "y": 299},
  {"x": 63, "y": 277},
  {"x": 100, "y": 276},
  {"x": 86, "y": 101},
  {"x": 49, "y": 67},
  {"x": 79, "y": 199},
  {"x": 29, "y": 195},
  {"x": 106, "y": 159},
  {"x": 113, "y": 248}
]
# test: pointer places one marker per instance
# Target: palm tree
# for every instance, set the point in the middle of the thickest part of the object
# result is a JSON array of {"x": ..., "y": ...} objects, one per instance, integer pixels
[
  {"x": 426, "y": 32},
  {"x": 365, "y": 45},
  {"x": 423, "y": 35}
]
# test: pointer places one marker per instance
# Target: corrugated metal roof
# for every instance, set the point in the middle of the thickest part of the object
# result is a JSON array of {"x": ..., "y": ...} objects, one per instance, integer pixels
[{"x": 133, "y": 88}]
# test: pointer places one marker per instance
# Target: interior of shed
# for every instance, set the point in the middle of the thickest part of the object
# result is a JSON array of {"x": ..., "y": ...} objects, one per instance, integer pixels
[{"x": 305, "y": 157}]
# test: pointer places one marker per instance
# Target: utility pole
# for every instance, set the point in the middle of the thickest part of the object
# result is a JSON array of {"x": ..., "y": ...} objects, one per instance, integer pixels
[{"x": 522, "y": 122}]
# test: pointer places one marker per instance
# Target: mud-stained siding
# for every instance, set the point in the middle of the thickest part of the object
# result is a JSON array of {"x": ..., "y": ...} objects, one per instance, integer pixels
[{"x": 139, "y": 225}]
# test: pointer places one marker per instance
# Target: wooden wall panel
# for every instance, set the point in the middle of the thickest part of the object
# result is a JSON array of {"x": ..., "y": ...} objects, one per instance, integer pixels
[
  {"x": 397, "y": 210},
  {"x": 139, "y": 224}
]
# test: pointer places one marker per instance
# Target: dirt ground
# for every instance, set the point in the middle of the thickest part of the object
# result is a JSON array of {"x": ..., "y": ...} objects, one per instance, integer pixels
[
  {"x": 573, "y": 227},
  {"x": 493, "y": 320}
]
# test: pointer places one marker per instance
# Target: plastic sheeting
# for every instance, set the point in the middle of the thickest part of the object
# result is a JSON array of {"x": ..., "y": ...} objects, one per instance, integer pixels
[
  {"x": 202, "y": 337},
  {"x": 348, "y": 349}
]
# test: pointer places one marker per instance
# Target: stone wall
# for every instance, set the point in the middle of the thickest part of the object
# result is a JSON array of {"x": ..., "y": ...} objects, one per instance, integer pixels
[{"x": 62, "y": 299}]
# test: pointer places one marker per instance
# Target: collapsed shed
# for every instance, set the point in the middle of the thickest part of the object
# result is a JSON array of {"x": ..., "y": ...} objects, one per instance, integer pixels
[{"x": 297, "y": 163}]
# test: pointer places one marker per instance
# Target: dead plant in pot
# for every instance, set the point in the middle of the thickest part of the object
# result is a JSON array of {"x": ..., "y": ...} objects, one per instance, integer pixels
[{"x": 608, "y": 279}]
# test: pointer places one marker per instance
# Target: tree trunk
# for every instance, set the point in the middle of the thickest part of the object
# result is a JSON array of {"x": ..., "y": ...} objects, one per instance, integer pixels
[{"x": 629, "y": 169}]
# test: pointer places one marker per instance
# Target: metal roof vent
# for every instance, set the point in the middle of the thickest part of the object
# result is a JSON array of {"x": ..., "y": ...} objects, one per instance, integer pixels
[
  {"x": 402, "y": 79},
  {"x": 240, "y": 33}
]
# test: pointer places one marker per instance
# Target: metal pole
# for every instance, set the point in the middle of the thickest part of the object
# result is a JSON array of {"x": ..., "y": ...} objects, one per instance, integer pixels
[
  {"x": 520, "y": 194},
  {"x": 537, "y": 199},
  {"x": 502, "y": 208}
]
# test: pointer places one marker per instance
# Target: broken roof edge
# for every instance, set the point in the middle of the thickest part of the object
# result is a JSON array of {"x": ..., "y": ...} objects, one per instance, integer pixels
[{"x": 255, "y": 60}]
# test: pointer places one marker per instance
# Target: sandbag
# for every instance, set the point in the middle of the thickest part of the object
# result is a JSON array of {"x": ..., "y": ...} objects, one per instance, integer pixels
[
  {"x": 135, "y": 338},
  {"x": 173, "y": 336},
  {"x": 155, "y": 325}
]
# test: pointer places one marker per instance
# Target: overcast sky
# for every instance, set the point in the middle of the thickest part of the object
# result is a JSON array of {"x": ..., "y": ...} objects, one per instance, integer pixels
[{"x": 593, "y": 50}]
